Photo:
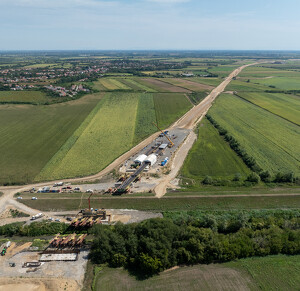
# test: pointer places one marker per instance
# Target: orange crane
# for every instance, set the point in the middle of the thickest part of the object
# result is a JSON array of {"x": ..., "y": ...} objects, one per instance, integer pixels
[{"x": 171, "y": 143}]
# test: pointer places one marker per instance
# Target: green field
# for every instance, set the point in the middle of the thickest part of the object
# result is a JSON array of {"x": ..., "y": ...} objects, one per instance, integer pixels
[
  {"x": 109, "y": 84},
  {"x": 130, "y": 82},
  {"x": 108, "y": 134},
  {"x": 272, "y": 272},
  {"x": 169, "y": 203},
  {"x": 223, "y": 71},
  {"x": 271, "y": 140},
  {"x": 23, "y": 97},
  {"x": 169, "y": 107},
  {"x": 238, "y": 85},
  {"x": 211, "y": 155},
  {"x": 263, "y": 72},
  {"x": 187, "y": 84},
  {"x": 145, "y": 117},
  {"x": 266, "y": 273},
  {"x": 285, "y": 105},
  {"x": 31, "y": 135},
  {"x": 207, "y": 81},
  {"x": 284, "y": 83}
]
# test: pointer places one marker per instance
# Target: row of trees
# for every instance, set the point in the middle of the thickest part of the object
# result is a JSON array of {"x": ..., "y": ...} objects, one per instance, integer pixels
[
  {"x": 33, "y": 229},
  {"x": 258, "y": 173},
  {"x": 157, "y": 244}
]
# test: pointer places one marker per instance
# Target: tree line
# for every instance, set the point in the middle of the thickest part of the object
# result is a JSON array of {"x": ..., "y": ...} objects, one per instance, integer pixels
[
  {"x": 154, "y": 245},
  {"x": 257, "y": 172}
]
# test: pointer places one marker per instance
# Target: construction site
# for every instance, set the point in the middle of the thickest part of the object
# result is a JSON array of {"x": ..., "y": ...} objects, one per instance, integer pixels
[{"x": 152, "y": 159}]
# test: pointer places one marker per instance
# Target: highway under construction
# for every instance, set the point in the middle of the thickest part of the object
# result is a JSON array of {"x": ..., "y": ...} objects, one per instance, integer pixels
[{"x": 153, "y": 158}]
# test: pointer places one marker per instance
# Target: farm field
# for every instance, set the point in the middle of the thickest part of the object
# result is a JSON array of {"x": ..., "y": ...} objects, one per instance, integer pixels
[
  {"x": 112, "y": 128},
  {"x": 285, "y": 105},
  {"x": 100, "y": 141},
  {"x": 169, "y": 107},
  {"x": 238, "y": 85},
  {"x": 271, "y": 140},
  {"x": 272, "y": 272},
  {"x": 187, "y": 84},
  {"x": 130, "y": 82},
  {"x": 207, "y": 81},
  {"x": 109, "y": 84},
  {"x": 160, "y": 86},
  {"x": 145, "y": 117},
  {"x": 198, "y": 277},
  {"x": 263, "y": 72},
  {"x": 169, "y": 204},
  {"x": 223, "y": 71},
  {"x": 31, "y": 135},
  {"x": 284, "y": 83},
  {"x": 212, "y": 156},
  {"x": 23, "y": 96},
  {"x": 265, "y": 273}
]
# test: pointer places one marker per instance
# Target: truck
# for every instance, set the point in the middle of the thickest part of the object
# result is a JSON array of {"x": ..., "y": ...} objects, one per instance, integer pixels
[
  {"x": 37, "y": 216},
  {"x": 163, "y": 163}
]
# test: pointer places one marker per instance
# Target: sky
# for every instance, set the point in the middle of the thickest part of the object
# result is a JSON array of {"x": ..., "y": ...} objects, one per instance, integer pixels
[{"x": 149, "y": 24}]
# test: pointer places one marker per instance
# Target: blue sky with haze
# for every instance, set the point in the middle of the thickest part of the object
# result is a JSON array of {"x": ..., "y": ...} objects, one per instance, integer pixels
[{"x": 149, "y": 24}]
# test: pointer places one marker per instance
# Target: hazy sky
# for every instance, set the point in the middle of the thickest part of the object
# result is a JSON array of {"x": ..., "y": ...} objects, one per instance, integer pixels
[{"x": 149, "y": 24}]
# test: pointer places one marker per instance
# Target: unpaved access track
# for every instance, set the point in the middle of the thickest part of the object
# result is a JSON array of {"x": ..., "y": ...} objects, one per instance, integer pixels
[{"x": 187, "y": 121}]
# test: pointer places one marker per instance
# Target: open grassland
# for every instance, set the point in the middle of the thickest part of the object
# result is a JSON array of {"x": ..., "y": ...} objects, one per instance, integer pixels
[
  {"x": 271, "y": 273},
  {"x": 199, "y": 277},
  {"x": 207, "y": 81},
  {"x": 169, "y": 107},
  {"x": 161, "y": 86},
  {"x": 284, "y": 105},
  {"x": 145, "y": 117},
  {"x": 31, "y": 135},
  {"x": 108, "y": 134},
  {"x": 168, "y": 203},
  {"x": 211, "y": 155},
  {"x": 261, "y": 72},
  {"x": 187, "y": 84},
  {"x": 284, "y": 83},
  {"x": 271, "y": 140},
  {"x": 23, "y": 97}
]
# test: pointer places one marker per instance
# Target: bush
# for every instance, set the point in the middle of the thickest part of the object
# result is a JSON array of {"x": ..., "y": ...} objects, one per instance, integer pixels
[
  {"x": 207, "y": 180},
  {"x": 253, "y": 178},
  {"x": 237, "y": 177},
  {"x": 265, "y": 176},
  {"x": 284, "y": 178}
]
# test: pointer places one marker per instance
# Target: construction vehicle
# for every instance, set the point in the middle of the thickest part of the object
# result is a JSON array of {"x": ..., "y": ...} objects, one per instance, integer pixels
[{"x": 165, "y": 133}]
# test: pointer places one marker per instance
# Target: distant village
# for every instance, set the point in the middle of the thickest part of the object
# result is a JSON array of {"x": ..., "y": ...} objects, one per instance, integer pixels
[{"x": 63, "y": 92}]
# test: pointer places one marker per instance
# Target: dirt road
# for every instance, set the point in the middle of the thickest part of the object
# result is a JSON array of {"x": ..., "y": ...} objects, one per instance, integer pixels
[{"x": 188, "y": 121}]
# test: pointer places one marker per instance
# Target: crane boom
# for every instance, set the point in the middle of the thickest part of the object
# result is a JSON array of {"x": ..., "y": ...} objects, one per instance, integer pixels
[{"x": 164, "y": 134}]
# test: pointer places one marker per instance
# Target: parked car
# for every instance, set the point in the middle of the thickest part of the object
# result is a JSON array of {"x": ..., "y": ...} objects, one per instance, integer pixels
[
  {"x": 33, "y": 198},
  {"x": 20, "y": 198}
]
